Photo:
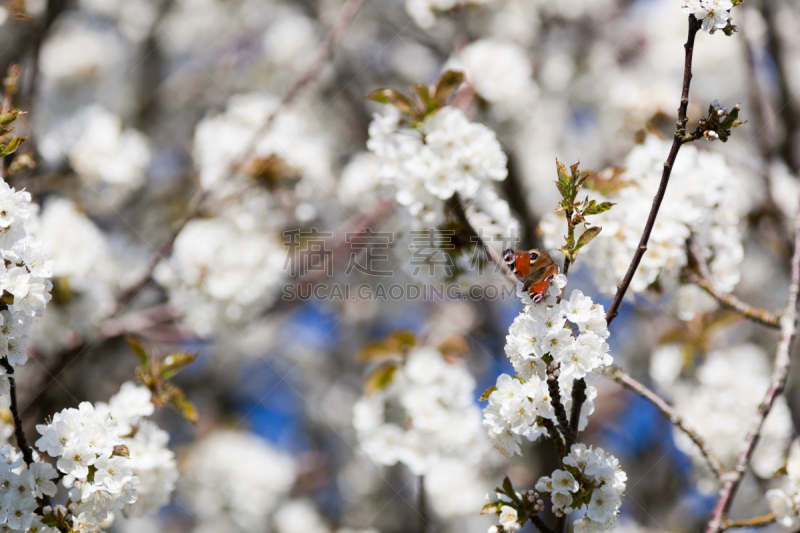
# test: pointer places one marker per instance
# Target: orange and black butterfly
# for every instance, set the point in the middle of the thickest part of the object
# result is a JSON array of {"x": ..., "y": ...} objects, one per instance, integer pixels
[{"x": 535, "y": 268}]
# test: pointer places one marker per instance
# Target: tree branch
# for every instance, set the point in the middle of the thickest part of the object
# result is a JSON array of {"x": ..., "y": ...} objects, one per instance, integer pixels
[
  {"x": 729, "y": 301},
  {"x": 540, "y": 525},
  {"x": 558, "y": 406},
  {"x": 702, "y": 278},
  {"x": 780, "y": 371},
  {"x": 19, "y": 432},
  {"x": 677, "y": 142},
  {"x": 680, "y": 138},
  {"x": 346, "y": 15},
  {"x": 756, "y": 521},
  {"x": 619, "y": 375}
]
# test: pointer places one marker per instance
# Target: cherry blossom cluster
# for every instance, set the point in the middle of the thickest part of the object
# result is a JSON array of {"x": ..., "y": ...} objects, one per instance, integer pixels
[
  {"x": 207, "y": 277},
  {"x": 109, "y": 458},
  {"x": 85, "y": 276},
  {"x": 590, "y": 477},
  {"x": 500, "y": 72},
  {"x": 705, "y": 205},
  {"x": 714, "y": 14},
  {"x": 425, "y": 165},
  {"x": 440, "y": 419},
  {"x": 24, "y": 274},
  {"x": 109, "y": 158},
  {"x": 720, "y": 402},
  {"x": 222, "y": 139},
  {"x": 20, "y": 487},
  {"x": 235, "y": 479},
  {"x": 211, "y": 281},
  {"x": 572, "y": 335},
  {"x": 785, "y": 501}
]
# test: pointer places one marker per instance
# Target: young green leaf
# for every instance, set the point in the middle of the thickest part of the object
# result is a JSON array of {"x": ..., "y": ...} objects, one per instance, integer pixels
[
  {"x": 11, "y": 147},
  {"x": 380, "y": 378},
  {"x": 487, "y": 393},
  {"x": 596, "y": 209},
  {"x": 587, "y": 236},
  {"x": 138, "y": 349},
  {"x": 176, "y": 362},
  {"x": 448, "y": 83},
  {"x": 393, "y": 98}
]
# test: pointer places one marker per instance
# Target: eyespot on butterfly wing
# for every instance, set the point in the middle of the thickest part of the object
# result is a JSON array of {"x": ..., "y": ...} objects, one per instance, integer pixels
[{"x": 535, "y": 268}]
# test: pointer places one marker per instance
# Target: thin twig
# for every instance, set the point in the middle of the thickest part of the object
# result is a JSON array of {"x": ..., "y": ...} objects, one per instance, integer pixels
[
  {"x": 702, "y": 278},
  {"x": 346, "y": 15},
  {"x": 780, "y": 371},
  {"x": 677, "y": 142},
  {"x": 19, "y": 432},
  {"x": 680, "y": 138},
  {"x": 619, "y": 375},
  {"x": 756, "y": 521},
  {"x": 729, "y": 301}
]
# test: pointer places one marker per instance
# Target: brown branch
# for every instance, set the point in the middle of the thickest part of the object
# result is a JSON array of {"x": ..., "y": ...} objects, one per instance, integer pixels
[
  {"x": 578, "y": 397},
  {"x": 539, "y": 524},
  {"x": 702, "y": 278},
  {"x": 19, "y": 432},
  {"x": 680, "y": 138},
  {"x": 677, "y": 142},
  {"x": 780, "y": 371},
  {"x": 619, "y": 375},
  {"x": 729, "y": 301},
  {"x": 346, "y": 15},
  {"x": 756, "y": 521},
  {"x": 558, "y": 406}
]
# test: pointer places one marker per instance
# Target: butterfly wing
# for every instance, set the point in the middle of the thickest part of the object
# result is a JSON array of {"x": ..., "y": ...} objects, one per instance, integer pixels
[
  {"x": 518, "y": 261},
  {"x": 538, "y": 289},
  {"x": 543, "y": 270},
  {"x": 535, "y": 268}
]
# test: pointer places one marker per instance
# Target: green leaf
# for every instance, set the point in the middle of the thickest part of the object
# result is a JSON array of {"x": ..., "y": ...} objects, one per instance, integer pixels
[
  {"x": 563, "y": 174},
  {"x": 393, "y": 98},
  {"x": 596, "y": 209},
  {"x": 175, "y": 362},
  {"x": 486, "y": 394},
  {"x": 587, "y": 236},
  {"x": 732, "y": 118},
  {"x": 6, "y": 119},
  {"x": 424, "y": 93},
  {"x": 138, "y": 349},
  {"x": 508, "y": 489},
  {"x": 564, "y": 190},
  {"x": 448, "y": 83},
  {"x": 491, "y": 508},
  {"x": 380, "y": 378},
  {"x": 11, "y": 147},
  {"x": 574, "y": 171},
  {"x": 177, "y": 400}
]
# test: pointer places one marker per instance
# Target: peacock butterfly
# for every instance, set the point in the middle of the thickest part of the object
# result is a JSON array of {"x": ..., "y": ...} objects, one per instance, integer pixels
[{"x": 535, "y": 268}]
